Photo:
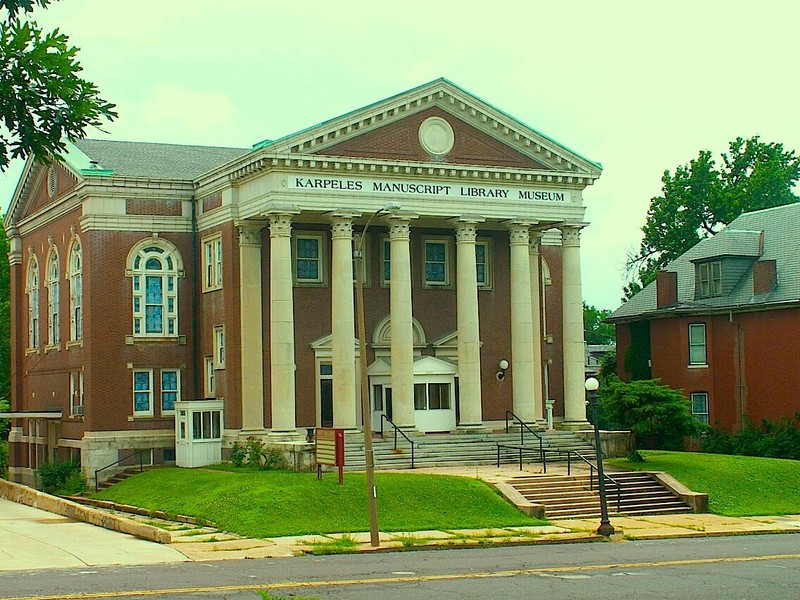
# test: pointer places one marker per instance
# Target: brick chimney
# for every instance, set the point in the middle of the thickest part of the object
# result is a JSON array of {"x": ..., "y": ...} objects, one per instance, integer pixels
[
  {"x": 666, "y": 289},
  {"x": 765, "y": 276}
]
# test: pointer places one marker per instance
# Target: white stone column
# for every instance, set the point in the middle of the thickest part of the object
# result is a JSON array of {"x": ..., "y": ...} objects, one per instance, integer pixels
[
  {"x": 343, "y": 319},
  {"x": 281, "y": 329},
  {"x": 251, "y": 328},
  {"x": 469, "y": 343},
  {"x": 402, "y": 345},
  {"x": 536, "y": 314},
  {"x": 572, "y": 331},
  {"x": 521, "y": 323}
]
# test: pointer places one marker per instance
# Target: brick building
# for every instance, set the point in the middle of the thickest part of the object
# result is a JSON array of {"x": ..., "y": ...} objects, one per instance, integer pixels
[
  {"x": 722, "y": 322},
  {"x": 143, "y": 274}
]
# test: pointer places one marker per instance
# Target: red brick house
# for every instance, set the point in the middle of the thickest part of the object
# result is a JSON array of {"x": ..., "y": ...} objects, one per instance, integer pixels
[
  {"x": 144, "y": 274},
  {"x": 722, "y": 322}
]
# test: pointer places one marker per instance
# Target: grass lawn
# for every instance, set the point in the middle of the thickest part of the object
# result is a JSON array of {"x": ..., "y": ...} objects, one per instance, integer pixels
[
  {"x": 277, "y": 503},
  {"x": 736, "y": 485}
]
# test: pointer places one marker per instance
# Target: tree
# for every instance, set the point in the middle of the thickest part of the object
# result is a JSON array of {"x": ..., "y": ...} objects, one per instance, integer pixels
[
  {"x": 43, "y": 101},
  {"x": 596, "y": 331},
  {"x": 657, "y": 415},
  {"x": 700, "y": 198}
]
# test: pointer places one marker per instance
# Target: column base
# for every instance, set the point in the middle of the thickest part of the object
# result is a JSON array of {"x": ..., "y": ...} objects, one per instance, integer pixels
[
  {"x": 573, "y": 425},
  {"x": 470, "y": 429},
  {"x": 256, "y": 432},
  {"x": 285, "y": 435}
]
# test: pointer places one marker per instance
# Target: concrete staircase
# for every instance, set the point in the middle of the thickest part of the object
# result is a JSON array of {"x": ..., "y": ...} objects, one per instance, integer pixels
[
  {"x": 441, "y": 450},
  {"x": 568, "y": 497}
]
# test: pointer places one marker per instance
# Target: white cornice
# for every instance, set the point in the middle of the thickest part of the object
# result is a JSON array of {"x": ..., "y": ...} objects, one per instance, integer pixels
[{"x": 151, "y": 223}]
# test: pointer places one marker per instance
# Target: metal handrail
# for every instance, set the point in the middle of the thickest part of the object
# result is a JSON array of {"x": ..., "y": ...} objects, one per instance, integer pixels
[
  {"x": 523, "y": 427},
  {"x": 138, "y": 453},
  {"x": 396, "y": 430}
]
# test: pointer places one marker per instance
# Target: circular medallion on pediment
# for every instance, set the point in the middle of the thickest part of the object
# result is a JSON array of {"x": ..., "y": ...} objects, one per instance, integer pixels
[{"x": 436, "y": 136}]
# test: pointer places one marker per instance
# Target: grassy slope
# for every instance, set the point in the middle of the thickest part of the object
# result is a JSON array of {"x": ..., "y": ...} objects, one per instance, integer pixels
[
  {"x": 274, "y": 503},
  {"x": 736, "y": 485}
]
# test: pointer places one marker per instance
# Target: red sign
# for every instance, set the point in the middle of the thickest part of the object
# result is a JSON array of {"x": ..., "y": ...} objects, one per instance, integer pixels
[{"x": 330, "y": 449}]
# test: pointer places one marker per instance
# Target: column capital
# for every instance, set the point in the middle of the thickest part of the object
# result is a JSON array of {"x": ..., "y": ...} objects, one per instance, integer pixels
[
  {"x": 280, "y": 225},
  {"x": 466, "y": 233},
  {"x": 535, "y": 241},
  {"x": 399, "y": 225},
  {"x": 341, "y": 227},
  {"x": 571, "y": 235},
  {"x": 520, "y": 233},
  {"x": 249, "y": 232}
]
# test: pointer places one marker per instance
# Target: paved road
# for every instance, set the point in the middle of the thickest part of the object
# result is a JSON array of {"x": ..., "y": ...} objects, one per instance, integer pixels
[
  {"x": 35, "y": 539},
  {"x": 755, "y": 566}
]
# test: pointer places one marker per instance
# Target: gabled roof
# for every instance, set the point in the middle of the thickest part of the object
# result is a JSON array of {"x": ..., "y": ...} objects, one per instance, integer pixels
[
  {"x": 769, "y": 234},
  {"x": 451, "y": 98}
]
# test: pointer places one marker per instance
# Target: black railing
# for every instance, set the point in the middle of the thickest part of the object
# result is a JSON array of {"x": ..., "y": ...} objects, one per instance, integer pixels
[
  {"x": 523, "y": 426},
  {"x": 401, "y": 432},
  {"x": 138, "y": 453}
]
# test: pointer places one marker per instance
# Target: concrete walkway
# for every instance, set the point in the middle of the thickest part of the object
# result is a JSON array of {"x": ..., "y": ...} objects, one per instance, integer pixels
[{"x": 36, "y": 539}]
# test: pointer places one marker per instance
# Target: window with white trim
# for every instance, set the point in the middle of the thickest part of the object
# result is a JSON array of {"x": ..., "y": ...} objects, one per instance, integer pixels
[
  {"x": 33, "y": 302},
  {"x": 699, "y": 402},
  {"x": 431, "y": 396},
  {"x": 52, "y": 299},
  {"x": 308, "y": 265},
  {"x": 207, "y": 425},
  {"x": 76, "y": 291},
  {"x": 154, "y": 271},
  {"x": 483, "y": 264},
  {"x": 209, "y": 379},
  {"x": 212, "y": 263},
  {"x": 170, "y": 389},
  {"x": 219, "y": 346},
  {"x": 437, "y": 262},
  {"x": 697, "y": 344},
  {"x": 709, "y": 276},
  {"x": 76, "y": 393},
  {"x": 143, "y": 392}
]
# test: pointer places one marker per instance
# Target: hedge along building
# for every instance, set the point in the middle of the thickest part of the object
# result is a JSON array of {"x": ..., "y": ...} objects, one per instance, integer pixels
[{"x": 143, "y": 274}]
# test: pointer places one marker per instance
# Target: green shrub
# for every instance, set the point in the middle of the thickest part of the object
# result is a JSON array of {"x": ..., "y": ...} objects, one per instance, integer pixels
[
  {"x": 772, "y": 439},
  {"x": 256, "y": 454},
  {"x": 61, "y": 477},
  {"x": 3, "y": 459}
]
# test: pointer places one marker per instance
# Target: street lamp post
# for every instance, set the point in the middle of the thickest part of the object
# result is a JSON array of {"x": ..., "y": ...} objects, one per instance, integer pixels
[
  {"x": 591, "y": 385},
  {"x": 366, "y": 413}
]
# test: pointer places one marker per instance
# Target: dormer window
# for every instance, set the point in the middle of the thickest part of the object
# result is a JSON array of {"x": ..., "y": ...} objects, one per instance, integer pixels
[{"x": 709, "y": 279}]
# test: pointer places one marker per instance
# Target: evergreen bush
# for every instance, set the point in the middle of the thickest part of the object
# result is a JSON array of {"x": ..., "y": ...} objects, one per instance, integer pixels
[{"x": 770, "y": 439}]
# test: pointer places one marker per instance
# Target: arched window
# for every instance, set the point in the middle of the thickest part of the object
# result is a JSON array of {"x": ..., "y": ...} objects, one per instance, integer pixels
[
  {"x": 76, "y": 291},
  {"x": 52, "y": 298},
  {"x": 33, "y": 302},
  {"x": 154, "y": 266}
]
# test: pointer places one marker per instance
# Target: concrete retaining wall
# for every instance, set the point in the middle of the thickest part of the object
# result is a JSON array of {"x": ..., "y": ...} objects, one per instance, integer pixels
[{"x": 31, "y": 497}]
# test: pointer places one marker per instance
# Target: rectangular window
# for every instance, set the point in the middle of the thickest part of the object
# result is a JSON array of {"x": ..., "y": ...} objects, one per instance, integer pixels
[
  {"x": 76, "y": 393},
  {"x": 700, "y": 406},
  {"x": 206, "y": 425},
  {"x": 143, "y": 393},
  {"x": 386, "y": 255},
  {"x": 377, "y": 397},
  {"x": 482, "y": 264},
  {"x": 710, "y": 278},
  {"x": 219, "y": 346},
  {"x": 212, "y": 263},
  {"x": 170, "y": 389},
  {"x": 431, "y": 396},
  {"x": 437, "y": 262},
  {"x": 697, "y": 344},
  {"x": 308, "y": 259},
  {"x": 209, "y": 379}
]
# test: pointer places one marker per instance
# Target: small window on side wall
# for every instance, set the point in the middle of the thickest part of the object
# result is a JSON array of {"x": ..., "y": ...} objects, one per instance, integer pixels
[
  {"x": 437, "y": 262},
  {"x": 308, "y": 263},
  {"x": 697, "y": 344},
  {"x": 699, "y": 402}
]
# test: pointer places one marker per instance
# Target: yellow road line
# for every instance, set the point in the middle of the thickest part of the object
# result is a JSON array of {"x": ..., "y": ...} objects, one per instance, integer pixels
[{"x": 411, "y": 578}]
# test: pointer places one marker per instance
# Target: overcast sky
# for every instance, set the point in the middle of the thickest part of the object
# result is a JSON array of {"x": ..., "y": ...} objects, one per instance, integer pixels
[{"x": 640, "y": 87}]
